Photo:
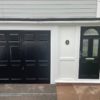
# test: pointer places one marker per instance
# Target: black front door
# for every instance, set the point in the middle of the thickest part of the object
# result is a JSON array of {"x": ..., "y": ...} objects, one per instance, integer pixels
[
  {"x": 89, "y": 53},
  {"x": 25, "y": 56}
]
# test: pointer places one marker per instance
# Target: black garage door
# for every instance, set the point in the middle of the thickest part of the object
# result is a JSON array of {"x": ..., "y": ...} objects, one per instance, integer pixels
[{"x": 25, "y": 56}]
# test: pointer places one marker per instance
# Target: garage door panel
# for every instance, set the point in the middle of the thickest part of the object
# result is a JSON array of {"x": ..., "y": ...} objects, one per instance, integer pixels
[
  {"x": 25, "y": 56},
  {"x": 2, "y": 37},
  {"x": 14, "y": 37}
]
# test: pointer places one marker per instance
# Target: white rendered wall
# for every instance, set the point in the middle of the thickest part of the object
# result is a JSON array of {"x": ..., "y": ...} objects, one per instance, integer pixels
[
  {"x": 69, "y": 54},
  {"x": 98, "y": 8}
]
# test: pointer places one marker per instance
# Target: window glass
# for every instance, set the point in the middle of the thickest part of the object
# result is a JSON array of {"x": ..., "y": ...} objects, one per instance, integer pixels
[
  {"x": 95, "y": 47},
  {"x": 85, "y": 48},
  {"x": 92, "y": 32}
]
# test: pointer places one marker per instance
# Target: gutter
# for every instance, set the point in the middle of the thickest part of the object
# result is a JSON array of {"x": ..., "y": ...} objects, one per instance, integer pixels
[{"x": 50, "y": 20}]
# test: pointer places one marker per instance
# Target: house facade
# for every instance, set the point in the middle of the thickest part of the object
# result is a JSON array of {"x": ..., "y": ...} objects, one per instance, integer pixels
[{"x": 49, "y": 41}]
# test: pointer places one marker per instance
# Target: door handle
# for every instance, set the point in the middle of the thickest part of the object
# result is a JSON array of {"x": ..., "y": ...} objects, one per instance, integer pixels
[{"x": 89, "y": 58}]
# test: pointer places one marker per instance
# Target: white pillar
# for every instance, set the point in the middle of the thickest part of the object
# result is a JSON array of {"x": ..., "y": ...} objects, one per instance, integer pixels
[{"x": 98, "y": 8}]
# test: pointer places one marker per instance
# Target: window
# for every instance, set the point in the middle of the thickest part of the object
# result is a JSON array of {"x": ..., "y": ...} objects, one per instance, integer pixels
[{"x": 92, "y": 32}]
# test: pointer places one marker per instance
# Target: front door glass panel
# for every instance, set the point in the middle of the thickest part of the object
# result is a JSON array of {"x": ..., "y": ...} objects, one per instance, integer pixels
[
  {"x": 95, "y": 47},
  {"x": 85, "y": 48}
]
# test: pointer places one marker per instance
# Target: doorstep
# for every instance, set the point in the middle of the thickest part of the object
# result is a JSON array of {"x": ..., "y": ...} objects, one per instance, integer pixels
[{"x": 90, "y": 81}]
